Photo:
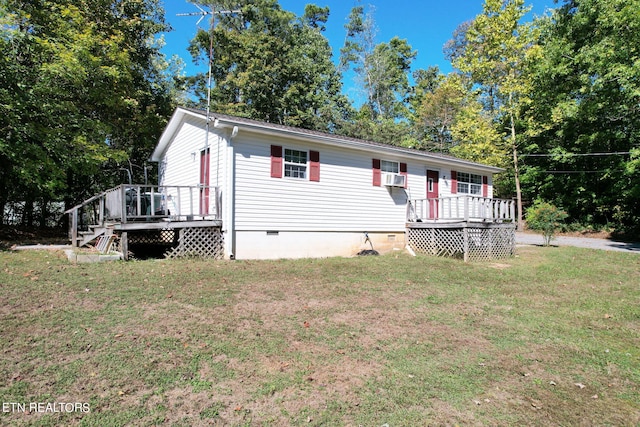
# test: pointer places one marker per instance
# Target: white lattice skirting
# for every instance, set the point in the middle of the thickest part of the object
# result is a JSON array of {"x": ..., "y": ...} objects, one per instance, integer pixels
[
  {"x": 469, "y": 243},
  {"x": 200, "y": 242}
]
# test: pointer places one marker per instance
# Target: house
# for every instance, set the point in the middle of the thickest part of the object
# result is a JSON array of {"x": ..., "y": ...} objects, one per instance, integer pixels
[{"x": 283, "y": 192}]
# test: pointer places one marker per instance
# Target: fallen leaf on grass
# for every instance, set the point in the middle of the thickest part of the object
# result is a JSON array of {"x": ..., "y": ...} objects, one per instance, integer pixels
[
  {"x": 536, "y": 405},
  {"x": 306, "y": 324}
]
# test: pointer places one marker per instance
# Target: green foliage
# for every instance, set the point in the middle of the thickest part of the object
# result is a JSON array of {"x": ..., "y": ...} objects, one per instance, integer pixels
[
  {"x": 382, "y": 69},
  {"x": 80, "y": 95},
  {"x": 546, "y": 218},
  {"x": 587, "y": 92},
  {"x": 496, "y": 54},
  {"x": 271, "y": 65}
]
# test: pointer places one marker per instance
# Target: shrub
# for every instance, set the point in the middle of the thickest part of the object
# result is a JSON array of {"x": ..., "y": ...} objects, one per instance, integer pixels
[{"x": 546, "y": 218}]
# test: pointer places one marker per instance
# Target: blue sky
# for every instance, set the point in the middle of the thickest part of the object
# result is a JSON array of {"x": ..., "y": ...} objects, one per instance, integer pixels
[{"x": 426, "y": 24}]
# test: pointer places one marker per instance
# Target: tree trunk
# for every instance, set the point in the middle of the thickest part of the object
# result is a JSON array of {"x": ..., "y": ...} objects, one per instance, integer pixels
[
  {"x": 44, "y": 212},
  {"x": 27, "y": 212},
  {"x": 516, "y": 173}
]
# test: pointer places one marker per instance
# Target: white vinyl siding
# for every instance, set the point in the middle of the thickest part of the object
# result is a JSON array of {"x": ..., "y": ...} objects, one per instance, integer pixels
[
  {"x": 181, "y": 163},
  {"x": 343, "y": 200}
]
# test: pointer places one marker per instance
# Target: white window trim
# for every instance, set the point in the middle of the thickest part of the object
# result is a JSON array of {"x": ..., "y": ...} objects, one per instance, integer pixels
[
  {"x": 285, "y": 162},
  {"x": 467, "y": 185},
  {"x": 389, "y": 163}
]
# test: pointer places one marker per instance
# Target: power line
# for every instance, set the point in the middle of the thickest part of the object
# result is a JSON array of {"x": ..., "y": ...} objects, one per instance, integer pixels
[
  {"x": 572, "y": 172},
  {"x": 613, "y": 153}
]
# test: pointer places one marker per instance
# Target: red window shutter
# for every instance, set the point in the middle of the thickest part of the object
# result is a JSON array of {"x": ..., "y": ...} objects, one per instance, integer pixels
[
  {"x": 485, "y": 186},
  {"x": 454, "y": 182},
  {"x": 403, "y": 172},
  {"x": 377, "y": 174},
  {"x": 276, "y": 161},
  {"x": 314, "y": 166}
]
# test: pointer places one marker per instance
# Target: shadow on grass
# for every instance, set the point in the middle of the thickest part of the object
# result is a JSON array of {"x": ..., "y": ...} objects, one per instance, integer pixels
[{"x": 10, "y": 236}]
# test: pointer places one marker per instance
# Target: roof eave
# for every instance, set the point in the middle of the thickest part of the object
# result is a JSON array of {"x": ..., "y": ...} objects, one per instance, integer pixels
[{"x": 294, "y": 133}]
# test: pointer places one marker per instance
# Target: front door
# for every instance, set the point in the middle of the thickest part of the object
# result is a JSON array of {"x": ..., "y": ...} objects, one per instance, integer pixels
[
  {"x": 433, "y": 177},
  {"x": 204, "y": 182}
]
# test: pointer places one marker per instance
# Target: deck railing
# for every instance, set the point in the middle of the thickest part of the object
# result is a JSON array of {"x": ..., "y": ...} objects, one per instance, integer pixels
[
  {"x": 128, "y": 203},
  {"x": 461, "y": 208}
]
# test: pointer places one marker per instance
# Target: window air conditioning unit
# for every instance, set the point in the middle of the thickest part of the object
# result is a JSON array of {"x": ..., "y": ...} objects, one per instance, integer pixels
[{"x": 394, "y": 180}]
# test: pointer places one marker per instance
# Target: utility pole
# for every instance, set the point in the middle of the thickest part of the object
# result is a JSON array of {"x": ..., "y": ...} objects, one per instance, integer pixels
[{"x": 204, "y": 191}]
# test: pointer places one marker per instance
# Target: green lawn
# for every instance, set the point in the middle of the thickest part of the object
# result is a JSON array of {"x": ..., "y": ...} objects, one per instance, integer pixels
[{"x": 551, "y": 337}]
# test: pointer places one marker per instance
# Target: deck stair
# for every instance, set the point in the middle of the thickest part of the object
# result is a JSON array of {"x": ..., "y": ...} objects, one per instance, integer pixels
[
  {"x": 102, "y": 236},
  {"x": 105, "y": 241},
  {"x": 126, "y": 210}
]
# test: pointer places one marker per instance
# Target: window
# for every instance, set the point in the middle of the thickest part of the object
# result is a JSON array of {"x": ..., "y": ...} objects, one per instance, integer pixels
[
  {"x": 469, "y": 183},
  {"x": 295, "y": 163},
  {"x": 389, "y": 167}
]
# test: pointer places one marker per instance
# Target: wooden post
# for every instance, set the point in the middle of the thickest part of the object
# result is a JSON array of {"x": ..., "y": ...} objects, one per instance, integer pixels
[
  {"x": 124, "y": 245},
  {"x": 101, "y": 213},
  {"x": 218, "y": 203},
  {"x": 138, "y": 202},
  {"x": 465, "y": 244},
  {"x": 74, "y": 228},
  {"x": 123, "y": 198},
  {"x": 152, "y": 212},
  {"x": 466, "y": 210}
]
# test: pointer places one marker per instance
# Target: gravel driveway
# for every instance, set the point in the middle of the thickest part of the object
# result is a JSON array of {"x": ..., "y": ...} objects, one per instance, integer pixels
[{"x": 581, "y": 242}]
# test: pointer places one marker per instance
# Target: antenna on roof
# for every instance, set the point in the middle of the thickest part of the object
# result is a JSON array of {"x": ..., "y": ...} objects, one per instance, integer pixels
[{"x": 204, "y": 208}]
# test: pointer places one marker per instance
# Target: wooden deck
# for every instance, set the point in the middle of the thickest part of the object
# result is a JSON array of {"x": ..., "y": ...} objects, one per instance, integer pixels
[
  {"x": 461, "y": 209},
  {"x": 152, "y": 215},
  {"x": 470, "y": 227}
]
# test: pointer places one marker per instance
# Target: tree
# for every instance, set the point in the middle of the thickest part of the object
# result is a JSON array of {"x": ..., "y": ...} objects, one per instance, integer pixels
[
  {"x": 546, "y": 218},
  {"x": 497, "y": 56},
  {"x": 81, "y": 96},
  {"x": 475, "y": 133},
  {"x": 270, "y": 65},
  {"x": 587, "y": 96},
  {"x": 382, "y": 69},
  {"x": 440, "y": 101}
]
